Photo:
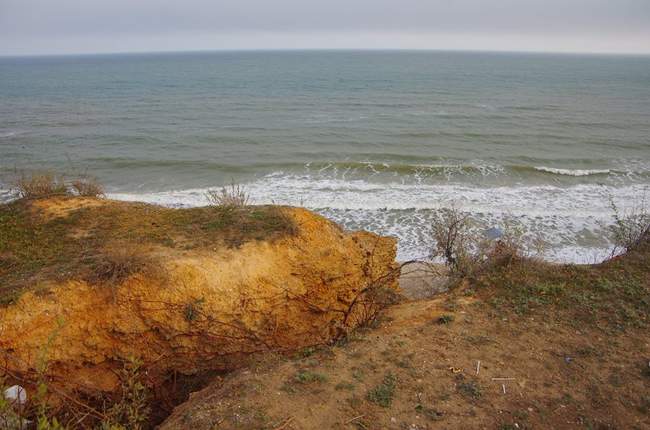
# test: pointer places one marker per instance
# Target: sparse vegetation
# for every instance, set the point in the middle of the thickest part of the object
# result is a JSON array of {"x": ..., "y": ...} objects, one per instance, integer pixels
[
  {"x": 308, "y": 377},
  {"x": 613, "y": 295},
  {"x": 344, "y": 386},
  {"x": 40, "y": 184},
  {"x": 445, "y": 319},
  {"x": 119, "y": 261},
  {"x": 630, "y": 228},
  {"x": 49, "y": 184},
  {"x": 233, "y": 195},
  {"x": 470, "y": 389},
  {"x": 451, "y": 232},
  {"x": 466, "y": 251},
  {"x": 87, "y": 187},
  {"x": 383, "y": 393},
  {"x": 132, "y": 410},
  {"x": 114, "y": 240},
  {"x": 430, "y": 413},
  {"x": 192, "y": 310},
  {"x": 129, "y": 411}
]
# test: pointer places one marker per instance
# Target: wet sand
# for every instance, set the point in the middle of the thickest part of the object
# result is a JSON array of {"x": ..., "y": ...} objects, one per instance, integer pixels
[{"x": 421, "y": 280}]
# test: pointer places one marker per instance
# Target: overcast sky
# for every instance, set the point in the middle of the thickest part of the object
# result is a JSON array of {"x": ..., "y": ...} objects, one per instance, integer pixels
[{"x": 89, "y": 26}]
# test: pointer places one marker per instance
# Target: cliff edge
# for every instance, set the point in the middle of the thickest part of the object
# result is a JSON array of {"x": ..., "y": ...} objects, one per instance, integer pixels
[{"x": 87, "y": 284}]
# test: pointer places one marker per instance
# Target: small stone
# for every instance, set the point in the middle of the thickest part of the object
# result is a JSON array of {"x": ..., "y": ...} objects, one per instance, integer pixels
[{"x": 16, "y": 394}]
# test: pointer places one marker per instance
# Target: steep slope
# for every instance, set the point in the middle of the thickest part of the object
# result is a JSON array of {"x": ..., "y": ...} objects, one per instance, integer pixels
[{"x": 90, "y": 283}]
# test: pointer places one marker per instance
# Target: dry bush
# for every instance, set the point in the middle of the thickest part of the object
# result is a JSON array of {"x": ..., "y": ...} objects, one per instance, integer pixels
[
  {"x": 630, "y": 228},
  {"x": 466, "y": 251},
  {"x": 41, "y": 185},
  {"x": 88, "y": 187},
  {"x": 233, "y": 195},
  {"x": 461, "y": 249},
  {"x": 119, "y": 261},
  {"x": 365, "y": 309}
]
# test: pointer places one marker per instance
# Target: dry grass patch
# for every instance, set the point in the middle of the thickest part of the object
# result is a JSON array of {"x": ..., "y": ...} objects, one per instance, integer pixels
[
  {"x": 233, "y": 195},
  {"x": 88, "y": 187},
  {"x": 41, "y": 185},
  {"x": 119, "y": 261}
]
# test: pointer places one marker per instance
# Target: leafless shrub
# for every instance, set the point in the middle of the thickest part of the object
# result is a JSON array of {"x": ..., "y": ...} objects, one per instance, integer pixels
[
  {"x": 88, "y": 187},
  {"x": 629, "y": 228},
  {"x": 372, "y": 302},
  {"x": 365, "y": 309},
  {"x": 466, "y": 251},
  {"x": 460, "y": 248},
  {"x": 233, "y": 195},
  {"x": 40, "y": 185}
]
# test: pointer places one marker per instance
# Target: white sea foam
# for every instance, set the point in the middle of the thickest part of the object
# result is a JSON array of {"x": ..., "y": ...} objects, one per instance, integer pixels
[
  {"x": 573, "y": 172},
  {"x": 570, "y": 219}
]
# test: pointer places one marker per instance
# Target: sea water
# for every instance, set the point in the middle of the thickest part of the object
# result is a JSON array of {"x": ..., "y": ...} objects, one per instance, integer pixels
[{"x": 375, "y": 140}]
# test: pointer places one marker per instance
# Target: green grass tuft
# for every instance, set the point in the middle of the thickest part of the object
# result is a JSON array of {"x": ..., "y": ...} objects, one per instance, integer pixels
[{"x": 383, "y": 393}]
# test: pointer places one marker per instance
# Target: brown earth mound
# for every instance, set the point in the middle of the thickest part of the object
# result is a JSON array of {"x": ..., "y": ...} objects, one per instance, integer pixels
[{"x": 89, "y": 283}]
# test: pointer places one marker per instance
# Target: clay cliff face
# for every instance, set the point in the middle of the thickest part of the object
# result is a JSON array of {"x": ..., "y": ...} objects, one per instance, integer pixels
[{"x": 200, "y": 308}]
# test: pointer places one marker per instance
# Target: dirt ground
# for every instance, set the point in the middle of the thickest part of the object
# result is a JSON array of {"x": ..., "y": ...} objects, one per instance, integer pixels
[{"x": 448, "y": 362}]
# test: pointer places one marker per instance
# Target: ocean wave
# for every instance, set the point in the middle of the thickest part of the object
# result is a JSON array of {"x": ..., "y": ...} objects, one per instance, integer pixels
[
  {"x": 570, "y": 219},
  {"x": 573, "y": 172},
  {"x": 543, "y": 200},
  {"x": 477, "y": 169}
]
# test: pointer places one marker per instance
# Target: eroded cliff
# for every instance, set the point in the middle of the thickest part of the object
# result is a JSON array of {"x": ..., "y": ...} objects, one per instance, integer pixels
[{"x": 183, "y": 290}]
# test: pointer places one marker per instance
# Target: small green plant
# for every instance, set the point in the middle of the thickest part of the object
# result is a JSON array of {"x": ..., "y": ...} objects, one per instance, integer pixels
[
  {"x": 43, "y": 419},
  {"x": 470, "y": 389},
  {"x": 192, "y": 310},
  {"x": 131, "y": 411},
  {"x": 358, "y": 374},
  {"x": 445, "y": 319},
  {"x": 344, "y": 386},
  {"x": 383, "y": 393},
  {"x": 306, "y": 352},
  {"x": 308, "y": 377},
  {"x": 430, "y": 413}
]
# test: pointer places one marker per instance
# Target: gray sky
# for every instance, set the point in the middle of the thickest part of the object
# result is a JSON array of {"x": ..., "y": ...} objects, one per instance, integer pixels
[{"x": 87, "y": 26}]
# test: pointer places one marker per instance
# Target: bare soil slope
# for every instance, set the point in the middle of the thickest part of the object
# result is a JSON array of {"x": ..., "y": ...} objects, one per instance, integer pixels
[{"x": 524, "y": 346}]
